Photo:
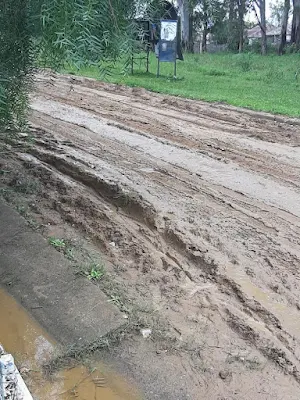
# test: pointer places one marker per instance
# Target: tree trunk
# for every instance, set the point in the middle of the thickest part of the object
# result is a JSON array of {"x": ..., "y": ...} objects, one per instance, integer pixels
[
  {"x": 296, "y": 20},
  {"x": 263, "y": 26},
  {"x": 241, "y": 8},
  {"x": 191, "y": 36},
  {"x": 185, "y": 22},
  {"x": 204, "y": 37},
  {"x": 293, "y": 32},
  {"x": 231, "y": 36},
  {"x": 285, "y": 18}
]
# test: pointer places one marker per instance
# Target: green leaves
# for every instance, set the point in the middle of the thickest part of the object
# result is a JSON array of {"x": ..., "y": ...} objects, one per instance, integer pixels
[
  {"x": 15, "y": 63},
  {"x": 52, "y": 33},
  {"x": 84, "y": 32}
]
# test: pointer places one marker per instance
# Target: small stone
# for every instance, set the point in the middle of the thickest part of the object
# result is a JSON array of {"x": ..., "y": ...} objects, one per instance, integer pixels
[
  {"x": 146, "y": 333},
  {"x": 24, "y": 370},
  {"x": 23, "y": 134},
  {"x": 225, "y": 374}
]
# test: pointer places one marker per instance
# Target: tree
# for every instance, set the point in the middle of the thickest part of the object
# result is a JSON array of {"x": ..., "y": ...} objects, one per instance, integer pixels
[
  {"x": 185, "y": 11},
  {"x": 295, "y": 36},
  {"x": 77, "y": 31},
  {"x": 241, "y": 12},
  {"x": 236, "y": 24},
  {"x": 276, "y": 12},
  {"x": 261, "y": 18},
  {"x": 285, "y": 17},
  {"x": 16, "y": 62}
]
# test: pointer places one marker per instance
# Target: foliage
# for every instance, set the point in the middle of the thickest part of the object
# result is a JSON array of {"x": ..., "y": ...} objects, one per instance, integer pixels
[
  {"x": 213, "y": 13},
  {"x": 247, "y": 80},
  {"x": 93, "y": 271},
  {"x": 277, "y": 9},
  {"x": 57, "y": 243},
  {"x": 86, "y": 32},
  {"x": 52, "y": 32},
  {"x": 16, "y": 63}
]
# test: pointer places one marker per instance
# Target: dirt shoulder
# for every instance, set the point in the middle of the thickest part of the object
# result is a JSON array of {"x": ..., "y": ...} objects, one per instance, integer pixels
[{"x": 194, "y": 208}]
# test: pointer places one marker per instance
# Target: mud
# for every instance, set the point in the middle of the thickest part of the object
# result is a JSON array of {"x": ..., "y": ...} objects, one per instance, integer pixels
[
  {"x": 32, "y": 347},
  {"x": 196, "y": 208}
]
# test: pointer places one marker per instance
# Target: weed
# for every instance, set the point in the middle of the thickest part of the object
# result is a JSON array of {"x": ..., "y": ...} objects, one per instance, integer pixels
[
  {"x": 93, "y": 271},
  {"x": 32, "y": 223},
  {"x": 117, "y": 301},
  {"x": 96, "y": 273},
  {"x": 4, "y": 172},
  {"x": 23, "y": 210},
  {"x": 78, "y": 353},
  {"x": 57, "y": 243},
  {"x": 215, "y": 72},
  {"x": 7, "y": 194},
  {"x": 69, "y": 253},
  {"x": 24, "y": 185},
  {"x": 244, "y": 62}
]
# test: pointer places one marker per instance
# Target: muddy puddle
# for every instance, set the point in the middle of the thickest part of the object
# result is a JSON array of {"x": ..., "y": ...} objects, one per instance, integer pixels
[
  {"x": 31, "y": 347},
  {"x": 275, "y": 303}
]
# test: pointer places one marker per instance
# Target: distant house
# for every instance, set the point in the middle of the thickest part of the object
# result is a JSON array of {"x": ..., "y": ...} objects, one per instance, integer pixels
[{"x": 273, "y": 34}]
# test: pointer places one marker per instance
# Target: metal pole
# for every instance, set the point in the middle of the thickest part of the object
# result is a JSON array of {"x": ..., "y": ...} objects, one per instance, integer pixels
[
  {"x": 132, "y": 64},
  {"x": 148, "y": 51},
  {"x": 157, "y": 68},
  {"x": 175, "y": 67}
]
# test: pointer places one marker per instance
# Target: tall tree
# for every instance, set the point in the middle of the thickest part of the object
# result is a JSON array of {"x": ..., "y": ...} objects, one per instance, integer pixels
[
  {"x": 276, "y": 12},
  {"x": 236, "y": 24},
  {"x": 205, "y": 8},
  {"x": 241, "y": 12},
  {"x": 231, "y": 41},
  {"x": 295, "y": 36},
  {"x": 259, "y": 7},
  {"x": 284, "y": 25},
  {"x": 184, "y": 8}
]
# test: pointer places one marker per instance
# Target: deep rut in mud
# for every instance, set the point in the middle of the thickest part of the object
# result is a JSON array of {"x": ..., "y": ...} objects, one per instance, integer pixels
[{"x": 202, "y": 204}]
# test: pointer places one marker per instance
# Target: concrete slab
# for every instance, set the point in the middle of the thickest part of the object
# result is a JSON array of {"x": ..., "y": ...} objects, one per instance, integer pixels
[{"x": 72, "y": 309}]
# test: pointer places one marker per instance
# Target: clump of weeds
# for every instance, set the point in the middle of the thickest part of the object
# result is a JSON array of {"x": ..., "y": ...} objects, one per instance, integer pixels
[
  {"x": 59, "y": 244},
  {"x": 93, "y": 271}
]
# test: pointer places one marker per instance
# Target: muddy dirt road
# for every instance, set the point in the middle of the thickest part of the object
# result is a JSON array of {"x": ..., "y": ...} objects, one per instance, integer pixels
[{"x": 198, "y": 208}]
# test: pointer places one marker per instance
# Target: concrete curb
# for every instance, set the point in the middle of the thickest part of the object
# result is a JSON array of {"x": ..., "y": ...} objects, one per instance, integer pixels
[
  {"x": 12, "y": 386},
  {"x": 71, "y": 309}
]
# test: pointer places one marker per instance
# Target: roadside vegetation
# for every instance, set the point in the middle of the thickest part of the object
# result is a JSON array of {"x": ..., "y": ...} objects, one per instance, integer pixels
[{"x": 269, "y": 83}]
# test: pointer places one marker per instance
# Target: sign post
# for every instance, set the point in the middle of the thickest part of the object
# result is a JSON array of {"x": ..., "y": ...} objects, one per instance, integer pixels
[{"x": 168, "y": 44}]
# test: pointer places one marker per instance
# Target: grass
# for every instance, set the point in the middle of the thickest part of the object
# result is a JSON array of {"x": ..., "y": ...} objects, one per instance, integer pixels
[
  {"x": 93, "y": 271},
  {"x": 57, "y": 243},
  {"x": 269, "y": 83}
]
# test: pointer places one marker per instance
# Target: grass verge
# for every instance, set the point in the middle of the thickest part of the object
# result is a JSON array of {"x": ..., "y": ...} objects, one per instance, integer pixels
[{"x": 269, "y": 83}]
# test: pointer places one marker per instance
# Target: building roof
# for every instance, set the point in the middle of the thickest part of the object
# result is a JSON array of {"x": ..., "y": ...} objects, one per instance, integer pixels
[{"x": 255, "y": 32}]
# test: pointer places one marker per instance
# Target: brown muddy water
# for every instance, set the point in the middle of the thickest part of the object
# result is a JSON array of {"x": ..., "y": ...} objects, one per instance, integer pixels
[{"x": 31, "y": 346}]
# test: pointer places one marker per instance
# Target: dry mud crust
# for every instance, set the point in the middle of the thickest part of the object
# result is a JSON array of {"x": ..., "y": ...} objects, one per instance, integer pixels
[{"x": 202, "y": 204}]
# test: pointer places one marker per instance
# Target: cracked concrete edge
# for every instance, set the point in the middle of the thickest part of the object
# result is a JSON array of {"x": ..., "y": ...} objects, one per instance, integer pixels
[{"x": 71, "y": 309}]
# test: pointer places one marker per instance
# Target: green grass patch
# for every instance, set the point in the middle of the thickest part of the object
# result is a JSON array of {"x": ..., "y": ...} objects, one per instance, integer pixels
[
  {"x": 57, "y": 243},
  {"x": 269, "y": 83},
  {"x": 93, "y": 271}
]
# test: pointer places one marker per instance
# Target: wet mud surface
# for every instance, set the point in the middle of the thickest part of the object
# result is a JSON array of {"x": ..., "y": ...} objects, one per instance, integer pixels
[
  {"x": 198, "y": 208},
  {"x": 31, "y": 347}
]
